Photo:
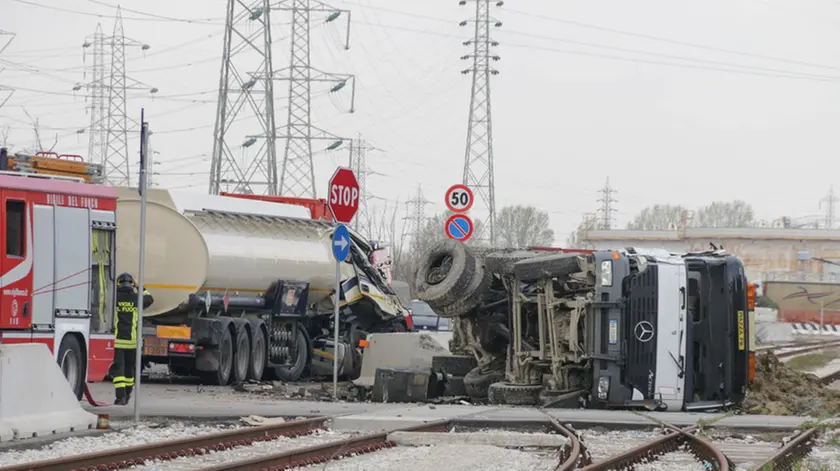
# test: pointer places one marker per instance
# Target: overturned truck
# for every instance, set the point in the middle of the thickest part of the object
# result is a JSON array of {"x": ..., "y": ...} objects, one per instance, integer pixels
[{"x": 632, "y": 328}]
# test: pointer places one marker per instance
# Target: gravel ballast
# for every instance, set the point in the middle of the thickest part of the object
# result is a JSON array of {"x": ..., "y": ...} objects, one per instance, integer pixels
[{"x": 445, "y": 457}]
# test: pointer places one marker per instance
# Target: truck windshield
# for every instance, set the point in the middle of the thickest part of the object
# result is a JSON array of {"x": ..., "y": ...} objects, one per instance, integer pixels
[{"x": 716, "y": 351}]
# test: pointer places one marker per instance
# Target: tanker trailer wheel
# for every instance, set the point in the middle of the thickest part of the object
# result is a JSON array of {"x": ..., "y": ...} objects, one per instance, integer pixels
[
  {"x": 258, "y": 354},
  {"x": 221, "y": 377},
  {"x": 241, "y": 356},
  {"x": 300, "y": 359},
  {"x": 446, "y": 271},
  {"x": 72, "y": 363}
]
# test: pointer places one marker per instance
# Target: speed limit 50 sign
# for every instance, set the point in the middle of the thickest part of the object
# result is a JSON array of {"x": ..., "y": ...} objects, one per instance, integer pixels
[{"x": 459, "y": 198}]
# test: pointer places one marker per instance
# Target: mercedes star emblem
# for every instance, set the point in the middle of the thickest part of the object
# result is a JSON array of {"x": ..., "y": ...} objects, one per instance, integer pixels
[{"x": 643, "y": 331}]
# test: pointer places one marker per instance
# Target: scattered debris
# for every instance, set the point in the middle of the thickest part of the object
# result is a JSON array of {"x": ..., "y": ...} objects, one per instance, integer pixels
[
  {"x": 258, "y": 420},
  {"x": 780, "y": 390}
]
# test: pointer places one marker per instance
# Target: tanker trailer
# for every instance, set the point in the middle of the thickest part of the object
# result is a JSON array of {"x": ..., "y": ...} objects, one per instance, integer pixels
[{"x": 245, "y": 288}]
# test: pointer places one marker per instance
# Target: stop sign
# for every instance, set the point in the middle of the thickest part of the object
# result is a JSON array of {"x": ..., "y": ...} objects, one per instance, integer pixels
[{"x": 344, "y": 195}]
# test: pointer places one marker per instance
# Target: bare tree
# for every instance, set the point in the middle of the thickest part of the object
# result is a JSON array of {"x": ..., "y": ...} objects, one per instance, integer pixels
[
  {"x": 577, "y": 239},
  {"x": 725, "y": 214},
  {"x": 659, "y": 217},
  {"x": 523, "y": 226},
  {"x": 4, "y": 135}
]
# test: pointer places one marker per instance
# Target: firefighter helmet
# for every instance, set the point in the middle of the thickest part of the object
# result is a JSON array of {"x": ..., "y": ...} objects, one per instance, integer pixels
[{"x": 125, "y": 279}]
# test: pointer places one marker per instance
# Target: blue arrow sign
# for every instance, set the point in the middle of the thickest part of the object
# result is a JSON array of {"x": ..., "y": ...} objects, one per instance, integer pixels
[{"x": 341, "y": 243}]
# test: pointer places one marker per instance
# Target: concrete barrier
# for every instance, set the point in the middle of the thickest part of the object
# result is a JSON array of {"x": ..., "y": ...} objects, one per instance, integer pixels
[
  {"x": 397, "y": 350},
  {"x": 35, "y": 398}
]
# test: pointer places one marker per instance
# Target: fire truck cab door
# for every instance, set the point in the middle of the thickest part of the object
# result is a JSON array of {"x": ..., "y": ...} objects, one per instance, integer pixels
[{"x": 16, "y": 260}]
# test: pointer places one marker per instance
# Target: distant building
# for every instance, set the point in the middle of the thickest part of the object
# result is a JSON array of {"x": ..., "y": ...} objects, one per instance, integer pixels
[
  {"x": 768, "y": 254},
  {"x": 805, "y": 302}
]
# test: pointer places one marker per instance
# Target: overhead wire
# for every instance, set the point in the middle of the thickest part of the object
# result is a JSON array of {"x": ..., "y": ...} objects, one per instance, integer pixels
[
  {"x": 153, "y": 15},
  {"x": 100, "y": 15},
  {"x": 670, "y": 41}
]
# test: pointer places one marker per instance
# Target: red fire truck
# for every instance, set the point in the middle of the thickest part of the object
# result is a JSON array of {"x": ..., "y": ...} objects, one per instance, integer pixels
[{"x": 57, "y": 270}]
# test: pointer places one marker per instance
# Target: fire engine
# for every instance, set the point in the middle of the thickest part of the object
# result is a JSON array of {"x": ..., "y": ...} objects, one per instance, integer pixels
[{"x": 57, "y": 268}]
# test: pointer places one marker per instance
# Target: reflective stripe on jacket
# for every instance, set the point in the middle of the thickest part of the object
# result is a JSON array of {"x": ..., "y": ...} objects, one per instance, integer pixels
[{"x": 125, "y": 327}]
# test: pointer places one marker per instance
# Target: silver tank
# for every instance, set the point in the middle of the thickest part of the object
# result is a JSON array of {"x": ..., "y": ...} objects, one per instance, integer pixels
[{"x": 220, "y": 244}]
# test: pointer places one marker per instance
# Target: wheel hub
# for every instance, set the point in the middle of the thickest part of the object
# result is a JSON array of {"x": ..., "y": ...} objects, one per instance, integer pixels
[{"x": 439, "y": 269}]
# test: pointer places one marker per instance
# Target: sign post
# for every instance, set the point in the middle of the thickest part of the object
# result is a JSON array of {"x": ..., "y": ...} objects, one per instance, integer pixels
[
  {"x": 141, "y": 188},
  {"x": 344, "y": 202}
]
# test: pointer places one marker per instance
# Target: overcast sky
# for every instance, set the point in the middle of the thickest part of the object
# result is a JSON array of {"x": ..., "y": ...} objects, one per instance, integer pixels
[{"x": 675, "y": 102}]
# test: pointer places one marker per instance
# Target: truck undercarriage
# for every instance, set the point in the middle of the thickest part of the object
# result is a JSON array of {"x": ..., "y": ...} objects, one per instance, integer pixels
[{"x": 601, "y": 329}]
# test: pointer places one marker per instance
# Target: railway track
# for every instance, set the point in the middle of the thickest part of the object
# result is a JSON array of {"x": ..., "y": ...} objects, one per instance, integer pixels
[
  {"x": 164, "y": 451},
  {"x": 790, "y": 350},
  {"x": 573, "y": 455},
  {"x": 686, "y": 439}
]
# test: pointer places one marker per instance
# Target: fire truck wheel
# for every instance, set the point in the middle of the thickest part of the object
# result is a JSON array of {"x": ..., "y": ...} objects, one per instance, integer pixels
[
  {"x": 241, "y": 355},
  {"x": 300, "y": 361},
  {"x": 221, "y": 377},
  {"x": 445, "y": 274},
  {"x": 258, "y": 354},
  {"x": 72, "y": 363}
]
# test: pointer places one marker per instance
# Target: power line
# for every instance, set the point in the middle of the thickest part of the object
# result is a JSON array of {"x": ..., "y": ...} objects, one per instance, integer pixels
[
  {"x": 297, "y": 176},
  {"x": 97, "y": 139},
  {"x": 478, "y": 159},
  {"x": 102, "y": 15},
  {"x": 243, "y": 81},
  {"x": 606, "y": 208},
  {"x": 116, "y": 157},
  {"x": 8, "y": 92},
  {"x": 672, "y": 41},
  {"x": 159, "y": 17},
  {"x": 358, "y": 163},
  {"x": 416, "y": 208},
  {"x": 829, "y": 201}
]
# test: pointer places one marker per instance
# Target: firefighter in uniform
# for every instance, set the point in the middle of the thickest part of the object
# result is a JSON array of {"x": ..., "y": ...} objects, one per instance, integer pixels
[{"x": 125, "y": 336}]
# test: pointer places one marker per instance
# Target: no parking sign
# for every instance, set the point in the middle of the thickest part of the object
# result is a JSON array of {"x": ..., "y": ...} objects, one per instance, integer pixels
[{"x": 459, "y": 227}]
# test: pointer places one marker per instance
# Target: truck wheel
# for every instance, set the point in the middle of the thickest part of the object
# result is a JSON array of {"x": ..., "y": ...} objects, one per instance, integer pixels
[
  {"x": 472, "y": 297},
  {"x": 73, "y": 364},
  {"x": 446, "y": 271},
  {"x": 455, "y": 365},
  {"x": 477, "y": 384},
  {"x": 502, "y": 263},
  {"x": 301, "y": 360},
  {"x": 514, "y": 394},
  {"x": 256, "y": 365},
  {"x": 558, "y": 265},
  {"x": 221, "y": 377},
  {"x": 242, "y": 354}
]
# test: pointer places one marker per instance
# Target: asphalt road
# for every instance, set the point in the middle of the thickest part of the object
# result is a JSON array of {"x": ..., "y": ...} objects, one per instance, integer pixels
[{"x": 164, "y": 400}]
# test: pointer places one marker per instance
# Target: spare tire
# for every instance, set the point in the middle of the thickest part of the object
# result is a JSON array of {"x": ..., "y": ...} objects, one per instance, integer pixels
[
  {"x": 473, "y": 296},
  {"x": 446, "y": 271}
]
